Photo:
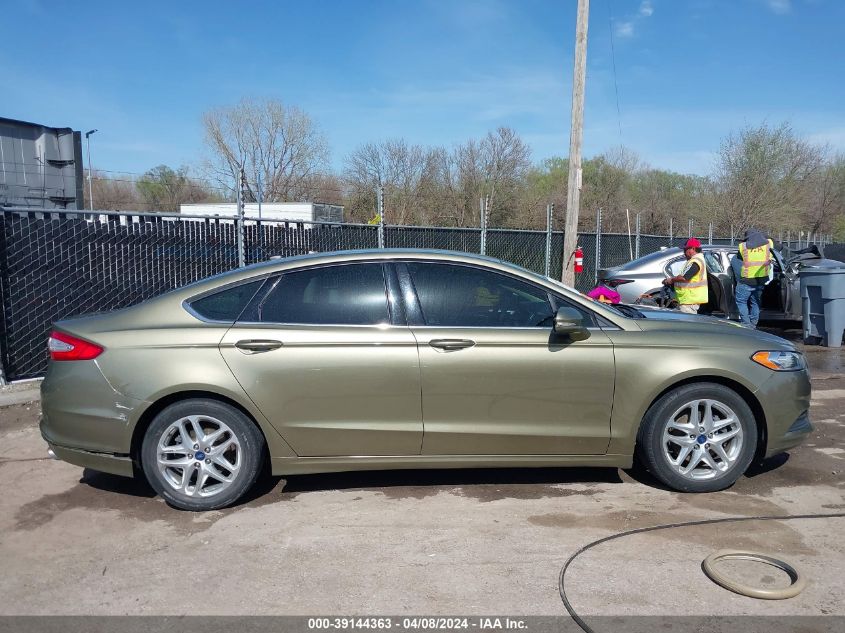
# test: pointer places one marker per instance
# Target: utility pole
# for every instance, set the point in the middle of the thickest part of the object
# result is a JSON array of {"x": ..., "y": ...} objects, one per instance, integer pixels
[{"x": 573, "y": 195}]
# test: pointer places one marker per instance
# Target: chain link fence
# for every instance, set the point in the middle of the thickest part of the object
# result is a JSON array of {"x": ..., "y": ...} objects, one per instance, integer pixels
[{"x": 56, "y": 265}]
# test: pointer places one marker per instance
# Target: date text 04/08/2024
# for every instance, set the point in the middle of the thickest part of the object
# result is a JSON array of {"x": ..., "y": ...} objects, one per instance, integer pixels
[{"x": 417, "y": 623}]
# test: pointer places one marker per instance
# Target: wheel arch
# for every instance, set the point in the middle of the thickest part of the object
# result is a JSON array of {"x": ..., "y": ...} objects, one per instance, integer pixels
[
  {"x": 162, "y": 403},
  {"x": 741, "y": 390}
]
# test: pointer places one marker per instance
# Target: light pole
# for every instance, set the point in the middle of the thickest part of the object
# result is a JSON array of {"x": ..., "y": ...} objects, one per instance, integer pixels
[{"x": 90, "y": 190}]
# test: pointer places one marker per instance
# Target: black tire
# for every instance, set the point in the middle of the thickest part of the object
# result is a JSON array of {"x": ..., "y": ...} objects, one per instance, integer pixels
[
  {"x": 654, "y": 454},
  {"x": 248, "y": 454}
]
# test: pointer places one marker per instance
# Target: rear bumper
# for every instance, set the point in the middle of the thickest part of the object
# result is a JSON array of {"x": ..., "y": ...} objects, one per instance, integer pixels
[
  {"x": 103, "y": 462},
  {"x": 85, "y": 420}
]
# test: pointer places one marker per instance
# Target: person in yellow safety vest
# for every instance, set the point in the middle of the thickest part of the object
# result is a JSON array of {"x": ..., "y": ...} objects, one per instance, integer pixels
[
  {"x": 755, "y": 255},
  {"x": 691, "y": 284}
]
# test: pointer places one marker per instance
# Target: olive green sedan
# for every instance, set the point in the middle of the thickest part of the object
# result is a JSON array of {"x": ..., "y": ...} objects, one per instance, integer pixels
[{"x": 389, "y": 359}]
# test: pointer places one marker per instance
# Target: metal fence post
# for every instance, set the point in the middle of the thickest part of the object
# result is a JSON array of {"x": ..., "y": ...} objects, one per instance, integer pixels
[
  {"x": 380, "y": 202},
  {"x": 637, "y": 241},
  {"x": 239, "y": 223},
  {"x": 549, "y": 212},
  {"x": 598, "y": 246},
  {"x": 482, "y": 202},
  {"x": 671, "y": 231},
  {"x": 710, "y": 234},
  {"x": 690, "y": 228}
]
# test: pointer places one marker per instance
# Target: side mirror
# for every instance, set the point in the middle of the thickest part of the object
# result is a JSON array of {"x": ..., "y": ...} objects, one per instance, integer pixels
[{"x": 570, "y": 322}]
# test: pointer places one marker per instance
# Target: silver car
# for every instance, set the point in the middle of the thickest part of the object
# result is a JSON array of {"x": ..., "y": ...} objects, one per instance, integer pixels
[{"x": 641, "y": 280}]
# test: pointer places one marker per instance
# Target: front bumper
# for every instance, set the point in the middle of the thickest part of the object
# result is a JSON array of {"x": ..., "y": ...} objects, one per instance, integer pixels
[
  {"x": 795, "y": 434},
  {"x": 785, "y": 398}
]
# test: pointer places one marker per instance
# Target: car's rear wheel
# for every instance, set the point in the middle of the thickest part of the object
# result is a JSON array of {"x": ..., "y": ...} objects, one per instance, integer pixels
[
  {"x": 698, "y": 438},
  {"x": 201, "y": 454}
]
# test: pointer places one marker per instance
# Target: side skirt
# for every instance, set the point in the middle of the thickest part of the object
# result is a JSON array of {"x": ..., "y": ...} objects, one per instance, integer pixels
[{"x": 313, "y": 465}]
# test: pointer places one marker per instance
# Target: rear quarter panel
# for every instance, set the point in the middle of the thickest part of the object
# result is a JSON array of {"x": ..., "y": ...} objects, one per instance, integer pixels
[{"x": 158, "y": 349}]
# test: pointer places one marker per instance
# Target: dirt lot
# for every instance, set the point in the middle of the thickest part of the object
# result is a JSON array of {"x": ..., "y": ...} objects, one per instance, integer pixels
[{"x": 423, "y": 542}]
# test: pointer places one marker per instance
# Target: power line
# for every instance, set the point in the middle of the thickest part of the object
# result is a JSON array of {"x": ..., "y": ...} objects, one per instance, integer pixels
[{"x": 615, "y": 83}]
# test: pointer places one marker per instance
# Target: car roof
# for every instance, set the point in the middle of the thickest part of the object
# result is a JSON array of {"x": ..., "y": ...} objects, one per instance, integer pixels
[{"x": 279, "y": 264}]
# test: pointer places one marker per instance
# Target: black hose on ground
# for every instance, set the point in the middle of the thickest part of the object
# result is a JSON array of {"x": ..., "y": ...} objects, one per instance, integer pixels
[{"x": 665, "y": 526}]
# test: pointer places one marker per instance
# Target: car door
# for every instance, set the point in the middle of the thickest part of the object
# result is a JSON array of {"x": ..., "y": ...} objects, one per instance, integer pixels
[
  {"x": 495, "y": 378},
  {"x": 328, "y": 363},
  {"x": 786, "y": 277},
  {"x": 720, "y": 283}
]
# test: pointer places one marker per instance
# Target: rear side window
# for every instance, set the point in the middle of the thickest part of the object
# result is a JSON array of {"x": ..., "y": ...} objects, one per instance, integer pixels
[
  {"x": 465, "y": 296},
  {"x": 351, "y": 294},
  {"x": 714, "y": 264},
  {"x": 226, "y": 305}
]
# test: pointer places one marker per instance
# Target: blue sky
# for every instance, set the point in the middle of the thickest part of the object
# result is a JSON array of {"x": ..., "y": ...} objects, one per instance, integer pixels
[{"x": 435, "y": 72}]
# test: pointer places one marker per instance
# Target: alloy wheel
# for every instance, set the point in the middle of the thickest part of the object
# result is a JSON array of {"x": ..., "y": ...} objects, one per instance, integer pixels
[
  {"x": 702, "y": 439},
  {"x": 198, "y": 456}
]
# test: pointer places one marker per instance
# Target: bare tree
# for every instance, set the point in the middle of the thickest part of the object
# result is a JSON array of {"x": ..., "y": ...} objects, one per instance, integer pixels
[
  {"x": 280, "y": 143},
  {"x": 114, "y": 194},
  {"x": 396, "y": 166},
  {"x": 826, "y": 203},
  {"x": 506, "y": 161},
  {"x": 764, "y": 174}
]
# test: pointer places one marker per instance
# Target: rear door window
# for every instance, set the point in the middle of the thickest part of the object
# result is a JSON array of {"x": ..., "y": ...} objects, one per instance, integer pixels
[
  {"x": 674, "y": 268},
  {"x": 350, "y": 294},
  {"x": 714, "y": 264}
]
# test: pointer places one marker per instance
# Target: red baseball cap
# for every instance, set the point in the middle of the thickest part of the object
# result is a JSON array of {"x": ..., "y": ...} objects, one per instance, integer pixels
[{"x": 692, "y": 243}]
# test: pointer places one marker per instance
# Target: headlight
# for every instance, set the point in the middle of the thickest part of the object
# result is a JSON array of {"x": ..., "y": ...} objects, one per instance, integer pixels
[{"x": 780, "y": 361}]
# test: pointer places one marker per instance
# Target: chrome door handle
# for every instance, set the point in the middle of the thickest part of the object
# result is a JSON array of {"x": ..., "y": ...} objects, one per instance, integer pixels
[
  {"x": 254, "y": 346},
  {"x": 451, "y": 344}
]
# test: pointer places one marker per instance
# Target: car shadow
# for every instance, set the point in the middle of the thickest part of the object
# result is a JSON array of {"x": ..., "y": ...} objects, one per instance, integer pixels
[
  {"x": 641, "y": 475},
  {"x": 437, "y": 479},
  {"x": 767, "y": 465},
  {"x": 133, "y": 487}
]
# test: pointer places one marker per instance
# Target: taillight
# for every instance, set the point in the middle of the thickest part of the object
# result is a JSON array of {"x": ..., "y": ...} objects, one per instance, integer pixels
[
  {"x": 613, "y": 283},
  {"x": 66, "y": 347}
]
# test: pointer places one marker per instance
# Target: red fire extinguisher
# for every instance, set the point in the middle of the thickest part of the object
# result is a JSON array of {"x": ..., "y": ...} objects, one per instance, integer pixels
[{"x": 579, "y": 260}]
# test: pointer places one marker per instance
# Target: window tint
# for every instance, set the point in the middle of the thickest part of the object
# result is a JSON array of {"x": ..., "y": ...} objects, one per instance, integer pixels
[
  {"x": 676, "y": 266},
  {"x": 227, "y": 304},
  {"x": 333, "y": 295},
  {"x": 464, "y": 296},
  {"x": 714, "y": 263}
]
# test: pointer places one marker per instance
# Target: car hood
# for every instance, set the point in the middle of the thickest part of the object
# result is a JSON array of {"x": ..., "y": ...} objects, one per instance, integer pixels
[{"x": 655, "y": 319}]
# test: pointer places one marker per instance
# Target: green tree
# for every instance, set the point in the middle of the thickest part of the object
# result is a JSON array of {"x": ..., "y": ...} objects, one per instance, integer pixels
[{"x": 164, "y": 189}]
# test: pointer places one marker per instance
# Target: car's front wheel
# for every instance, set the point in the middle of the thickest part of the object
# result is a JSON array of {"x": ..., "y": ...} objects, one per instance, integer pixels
[
  {"x": 201, "y": 454},
  {"x": 698, "y": 438}
]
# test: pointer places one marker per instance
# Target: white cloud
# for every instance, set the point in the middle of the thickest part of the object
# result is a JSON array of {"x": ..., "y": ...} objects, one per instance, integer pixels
[
  {"x": 625, "y": 29},
  {"x": 780, "y": 6},
  {"x": 646, "y": 9}
]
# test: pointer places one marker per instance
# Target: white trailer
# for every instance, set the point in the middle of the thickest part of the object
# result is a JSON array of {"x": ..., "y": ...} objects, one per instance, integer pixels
[{"x": 289, "y": 211}]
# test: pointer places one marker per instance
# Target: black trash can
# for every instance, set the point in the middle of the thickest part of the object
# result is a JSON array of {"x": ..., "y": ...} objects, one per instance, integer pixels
[{"x": 823, "y": 304}]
